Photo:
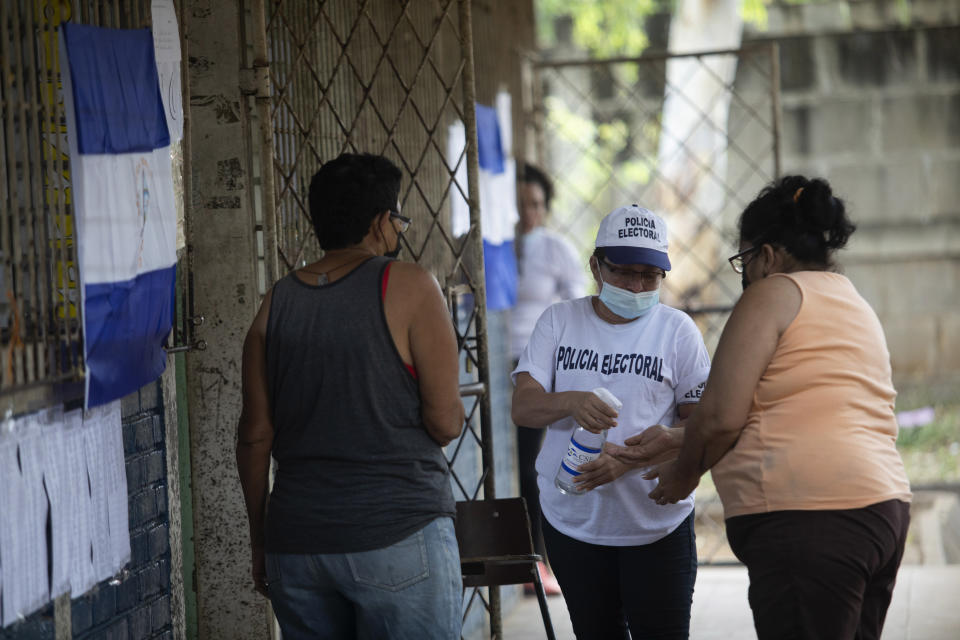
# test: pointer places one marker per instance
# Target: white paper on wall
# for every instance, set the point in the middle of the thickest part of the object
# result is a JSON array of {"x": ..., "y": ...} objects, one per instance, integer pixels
[
  {"x": 109, "y": 428},
  {"x": 99, "y": 531},
  {"x": 61, "y": 507},
  {"x": 23, "y": 503},
  {"x": 77, "y": 519},
  {"x": 166, "y": 46}
]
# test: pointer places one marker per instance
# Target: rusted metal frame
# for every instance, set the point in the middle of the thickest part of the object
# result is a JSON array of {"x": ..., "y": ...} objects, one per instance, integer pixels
[
  {"x": 444, "y": 17},
  {"x": 7, "y": 233},
  {"x": 737, "y": 98},
  {"x": 186, "y": 280},
  {"x": 464, "y": 337},
  {"x": 293, "y": 141},
  {"x": 282, "y": 120},
  {"x": 682, "y": 143},
  {"x": 288, "y": 177},
  {"x": 475, "y": 594},
  {"x": 18, "y": 213},
  {"x": 336, "y": 67},
  {"x": 746, "y": 157},
  {"x": 304, "y": 130},
  {"x": 590, "y": 200},
  {"x": 30, "y": 316},
  {"x": 480, "y": 294},
  {"x": 39, "y": 232},
  {"x": 407, "y": 98},
  {"x": 307, "y": 130},
  {"x": 460, "y": 440},
  {"x": 368, "y": 88},
  {"x": 430, "y": 129},
  {"x": 678, "y": 91},
  {"x": 57, "y": 145},
  {"x": 652, "y": 57},
  {"x": 300, "y": 214},
  {"x": 654, "y": 170},
  {"x": 775, "y": 105},
  {"x": 435, "y": 223},
  {"x": 707, "y": 164},
  {"x": 262, "y": 101},
  {"x": 297, "y": 45}
]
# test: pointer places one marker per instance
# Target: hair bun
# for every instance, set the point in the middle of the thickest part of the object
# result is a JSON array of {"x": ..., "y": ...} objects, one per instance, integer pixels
[
  {"x": 800, "y": 214},
  {"x": 823, "y": 214}
]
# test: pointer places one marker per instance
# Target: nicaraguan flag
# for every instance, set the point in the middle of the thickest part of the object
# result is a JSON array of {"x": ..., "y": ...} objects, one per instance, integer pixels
[
  {"x": 498, "y": 198},
  {"x": 123, "y": 205}
]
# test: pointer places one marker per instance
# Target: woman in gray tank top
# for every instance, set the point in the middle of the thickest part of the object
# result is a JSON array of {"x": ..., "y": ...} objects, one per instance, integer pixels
[{"x": 350, "y": 383}]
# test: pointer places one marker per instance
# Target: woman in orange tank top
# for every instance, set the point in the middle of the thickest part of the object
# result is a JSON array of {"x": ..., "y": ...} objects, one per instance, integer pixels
[{"x": 797, "y": 425}]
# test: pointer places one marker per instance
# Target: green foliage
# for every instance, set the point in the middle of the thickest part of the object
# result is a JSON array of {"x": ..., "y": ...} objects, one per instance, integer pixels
[
  {"x": 754, "y": 12},
  {"x": 604, "y": 28},
  {"x": 931, "y": 453}
]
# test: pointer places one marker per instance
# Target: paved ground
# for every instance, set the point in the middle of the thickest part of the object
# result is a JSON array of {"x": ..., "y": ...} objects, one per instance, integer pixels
[{"x": 926, "y": 606}]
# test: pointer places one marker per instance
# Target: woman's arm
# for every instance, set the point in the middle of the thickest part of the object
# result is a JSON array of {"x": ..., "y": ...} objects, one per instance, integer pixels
[
  {"x": 255, "y": 439},
  {"x": 746, "y": 347},
  {"x": 535, "y": 407}
]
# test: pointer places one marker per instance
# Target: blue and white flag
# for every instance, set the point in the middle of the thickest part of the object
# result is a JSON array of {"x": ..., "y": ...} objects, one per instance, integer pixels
[
  {"x": 124, "y": 208},
  {"x": 498, "y": 198}
]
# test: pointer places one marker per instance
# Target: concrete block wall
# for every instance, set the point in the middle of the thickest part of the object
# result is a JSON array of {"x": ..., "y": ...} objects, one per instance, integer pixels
[
  {"x": 139, "y": 606},
  {"x": 877, "y": 112}
]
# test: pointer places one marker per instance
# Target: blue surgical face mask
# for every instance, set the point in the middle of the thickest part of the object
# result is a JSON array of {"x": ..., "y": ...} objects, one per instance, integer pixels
[{"x": 627, "y": 304}]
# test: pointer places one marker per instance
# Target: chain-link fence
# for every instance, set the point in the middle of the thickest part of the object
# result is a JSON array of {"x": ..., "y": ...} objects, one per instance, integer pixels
[
  {"x": 693, "y": 137},
  {"x": 390, "y": 79}
]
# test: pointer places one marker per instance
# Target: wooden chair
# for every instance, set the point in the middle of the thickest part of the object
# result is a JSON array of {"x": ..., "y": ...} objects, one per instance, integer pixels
[{"x": 496, "y": 547}]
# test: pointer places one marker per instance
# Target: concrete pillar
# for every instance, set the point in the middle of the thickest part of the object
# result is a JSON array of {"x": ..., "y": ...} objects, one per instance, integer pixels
[{"x": 221, "y": 249}]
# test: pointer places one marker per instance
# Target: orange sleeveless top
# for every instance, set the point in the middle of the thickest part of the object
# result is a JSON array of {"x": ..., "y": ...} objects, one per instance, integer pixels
[{"x": 821, "y": 431}]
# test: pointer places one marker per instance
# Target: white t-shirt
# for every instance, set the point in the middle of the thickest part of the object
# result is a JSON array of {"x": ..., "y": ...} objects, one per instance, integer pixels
[
  {"x": 549, "y": 271},
  {"x": 651, "y": 364}
]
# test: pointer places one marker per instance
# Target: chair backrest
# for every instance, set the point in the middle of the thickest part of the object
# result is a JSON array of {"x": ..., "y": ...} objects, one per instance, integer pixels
[{"x": 495, "y": 542}]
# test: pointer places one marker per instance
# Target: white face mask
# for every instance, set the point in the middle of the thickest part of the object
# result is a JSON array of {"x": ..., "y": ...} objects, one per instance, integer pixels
[{"x": 627, "y": 304}]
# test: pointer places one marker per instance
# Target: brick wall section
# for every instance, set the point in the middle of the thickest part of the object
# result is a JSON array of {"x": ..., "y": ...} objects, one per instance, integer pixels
[
  {"x": 138, "y": 607},
  {"x": 874, "y": 106}
]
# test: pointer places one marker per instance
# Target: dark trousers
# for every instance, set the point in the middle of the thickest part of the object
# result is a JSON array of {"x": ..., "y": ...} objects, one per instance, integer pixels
[
  {"x": 647, "y": 589},
  {"x": 821, "y": 574},
  {"x": 528, "y": 446}
]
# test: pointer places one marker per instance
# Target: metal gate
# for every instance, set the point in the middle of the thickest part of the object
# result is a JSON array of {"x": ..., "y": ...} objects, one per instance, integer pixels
[
  {"x": 41, "y": 353},
  {"x": 693, "y": 137},
  {"x": 389, "y": 78}
]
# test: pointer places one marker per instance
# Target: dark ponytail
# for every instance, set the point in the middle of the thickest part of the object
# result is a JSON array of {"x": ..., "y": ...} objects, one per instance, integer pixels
[{"x": 802, "y": 216}]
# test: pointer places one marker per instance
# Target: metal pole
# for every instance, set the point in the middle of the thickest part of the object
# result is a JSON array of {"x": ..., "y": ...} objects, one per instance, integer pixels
[
  {"x": 480, "y": 294},
  {"x": 775, "y": 102},
  {"x": 261, "y": 70}
]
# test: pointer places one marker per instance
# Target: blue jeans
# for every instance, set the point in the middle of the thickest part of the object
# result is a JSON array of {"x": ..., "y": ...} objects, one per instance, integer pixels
[{"x": 411, "y": 589}]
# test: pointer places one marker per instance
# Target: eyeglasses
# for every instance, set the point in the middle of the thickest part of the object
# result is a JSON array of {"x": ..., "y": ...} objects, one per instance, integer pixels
[
  {"x": 405, "y": 222},
  {"x": 649, "y": 279},
  {"x": 738, "y": 262}
]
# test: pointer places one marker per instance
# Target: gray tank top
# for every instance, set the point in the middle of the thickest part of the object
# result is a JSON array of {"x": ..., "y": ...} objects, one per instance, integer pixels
[{"x": 356, "y": 469}]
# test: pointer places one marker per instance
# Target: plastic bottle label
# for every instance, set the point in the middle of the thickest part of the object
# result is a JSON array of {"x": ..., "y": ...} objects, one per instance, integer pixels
[{"x": 577, "y": 454}]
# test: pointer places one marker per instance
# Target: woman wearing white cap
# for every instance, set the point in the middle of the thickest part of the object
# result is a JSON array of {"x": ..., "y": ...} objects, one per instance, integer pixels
[{"x": 623, "y": 562}]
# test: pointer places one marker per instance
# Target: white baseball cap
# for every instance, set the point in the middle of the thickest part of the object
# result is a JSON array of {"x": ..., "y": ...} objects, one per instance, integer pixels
[{"x": 634, "y": 235}]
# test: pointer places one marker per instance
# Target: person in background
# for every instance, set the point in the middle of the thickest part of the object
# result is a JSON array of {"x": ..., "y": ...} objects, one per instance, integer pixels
[
  {"x": 797, "y": 424},
  {"x": 627, "y": 566},
  {"x": 549, "y": 270},
  {"x": 350, "y": 381}
]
